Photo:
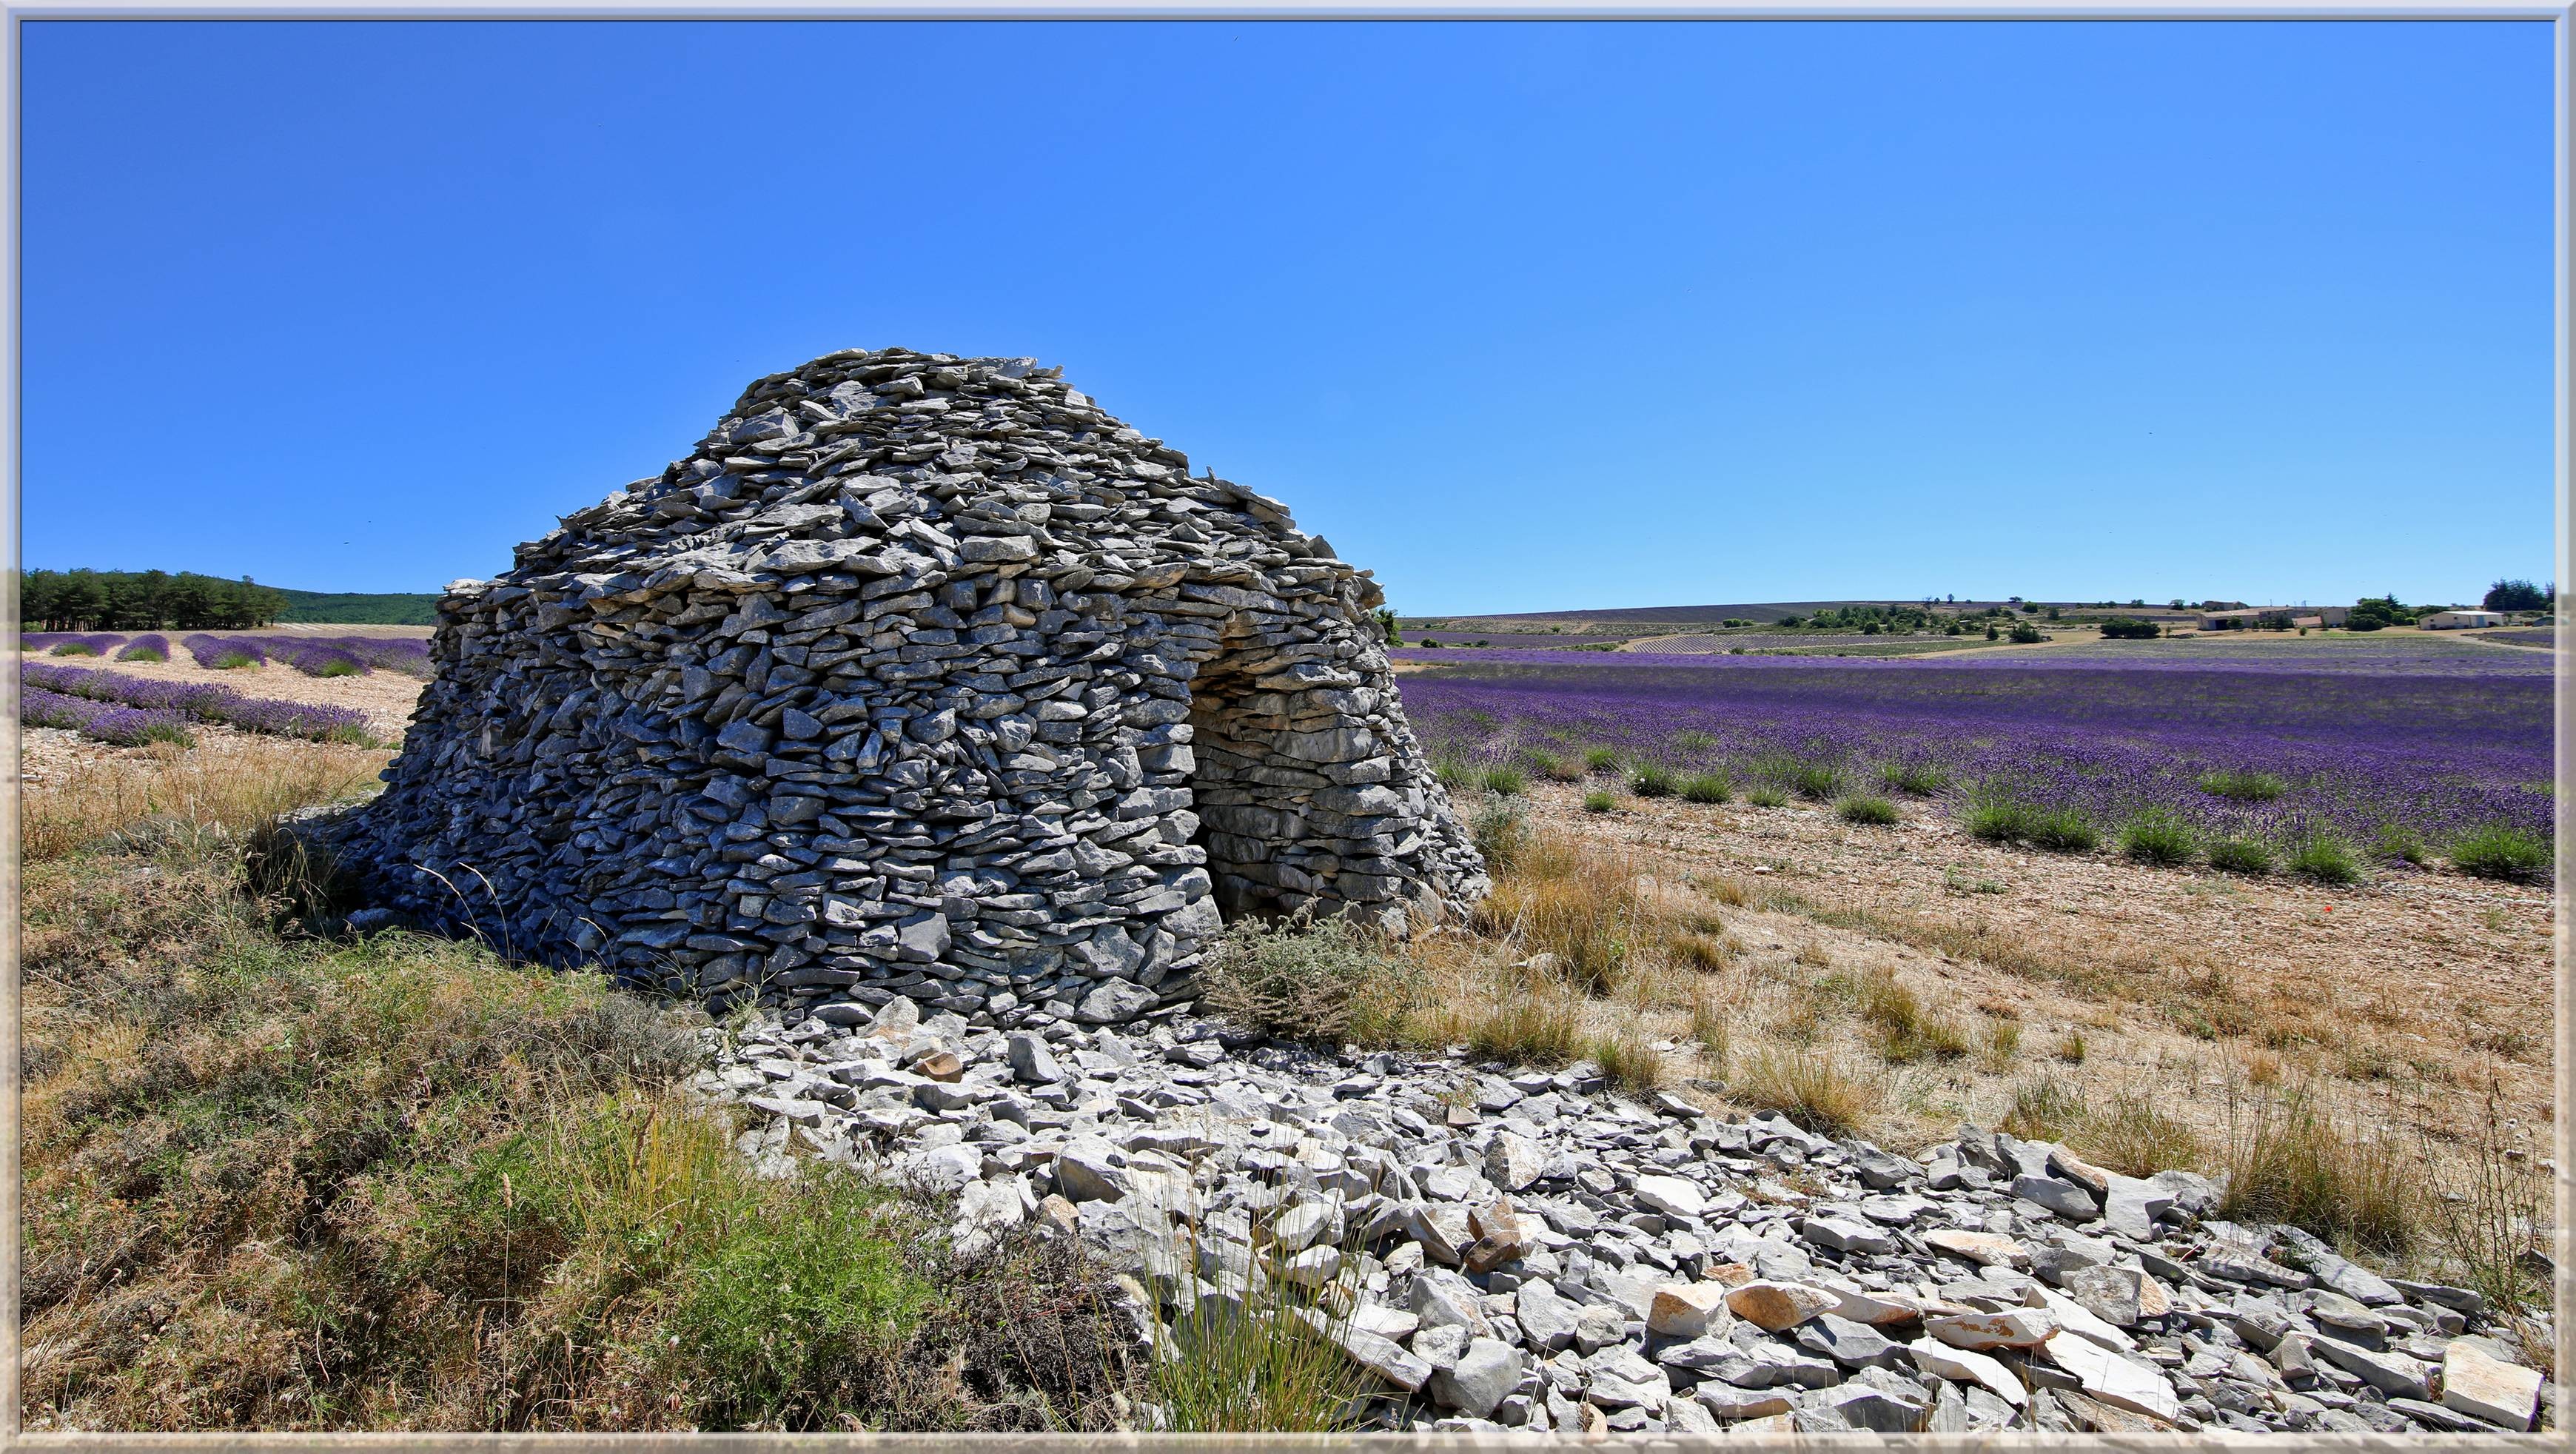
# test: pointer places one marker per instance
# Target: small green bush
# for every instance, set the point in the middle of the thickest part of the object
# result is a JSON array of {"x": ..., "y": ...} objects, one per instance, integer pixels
[
  {"x": 1500, "y": 834},
  {"x": 1600, "y": 759},
  {"x": 1653, "y": 780},
  {"x": 1506, "y": 780},
  {"x": 230, "y": 660},
  {"x": 2025, "y": 634},
  {"x": 1600, "y": 800},
  {"x": 1707, "y": 787},
  {"x": 2063, "y": 830},
  {"x": 1998, "y": 820},
  {"x": 1862, "y": 808},
  {"x": 1553, "y": 767},
  {"x": 2243, "y": 787},
  {"x": 73, "y": 648},
  {"x": 2501, "y": 851},
  {"x": 2162, "y": 837},
  {"x": 2399, "y": 842},
  {"x": 2240, "y": 855},
  {"x": 2326, "y": 858},
  {"x": 1298, "y": 979},
  {"x": 1764, "y": 795},
  {"x": 1921, "y": 779},
  {"x": 1817, "y": 781}
]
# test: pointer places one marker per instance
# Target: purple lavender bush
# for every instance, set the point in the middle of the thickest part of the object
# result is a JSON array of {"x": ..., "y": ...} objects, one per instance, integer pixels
[
  {"x": 223, "y": 653},
  {"x": 146, "y": 648},
  {"x": 75, "y": 643},
  {"x": 203, "y": 701},
  {"x": 134, "y": 726},
  {"x": 315, "y": 657}
]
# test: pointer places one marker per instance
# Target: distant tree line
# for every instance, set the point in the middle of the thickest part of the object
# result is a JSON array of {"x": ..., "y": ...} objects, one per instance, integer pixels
[
  {"x": 152, "y": 600},
  {"x": 2519, "y": 596}
]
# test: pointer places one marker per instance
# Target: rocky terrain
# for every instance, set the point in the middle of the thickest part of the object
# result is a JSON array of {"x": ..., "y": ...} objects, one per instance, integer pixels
[{"x": 1501, "y": 1249}]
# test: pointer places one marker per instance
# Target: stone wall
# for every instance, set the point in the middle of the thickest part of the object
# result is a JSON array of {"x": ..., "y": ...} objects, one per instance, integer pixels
[{"x": 919, "y": 676}]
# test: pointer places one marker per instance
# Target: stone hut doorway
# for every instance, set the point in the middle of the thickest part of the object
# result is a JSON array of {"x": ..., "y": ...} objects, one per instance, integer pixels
[{"x": 1282, "y": 764}]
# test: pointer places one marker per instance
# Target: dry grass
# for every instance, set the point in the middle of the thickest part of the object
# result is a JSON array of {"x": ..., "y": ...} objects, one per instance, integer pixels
[
  {"x": 283, "y": 1183},
  {"x": 230, "y": 784},
  {"x": 2294, "y": 1157},
  {"x": 1818, "y": 1092}
]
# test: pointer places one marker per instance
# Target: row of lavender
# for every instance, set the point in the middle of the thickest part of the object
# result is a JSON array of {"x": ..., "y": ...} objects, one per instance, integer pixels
[
  {"x": 87, "y": 702},
  {"x": 317, "y": 656},
  {"x": 2397, "y": 763}
]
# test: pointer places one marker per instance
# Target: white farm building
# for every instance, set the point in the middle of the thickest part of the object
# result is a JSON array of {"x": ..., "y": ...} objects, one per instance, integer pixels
[{"x": 2459, "y": 620}]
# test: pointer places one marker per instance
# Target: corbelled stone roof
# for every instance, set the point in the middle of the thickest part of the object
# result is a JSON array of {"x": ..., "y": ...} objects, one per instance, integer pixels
[{"x": 920, "y": 675}]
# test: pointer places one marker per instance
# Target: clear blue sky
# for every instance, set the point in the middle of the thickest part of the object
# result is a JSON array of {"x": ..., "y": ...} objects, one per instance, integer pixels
[{"x": 1522, "y": 316}]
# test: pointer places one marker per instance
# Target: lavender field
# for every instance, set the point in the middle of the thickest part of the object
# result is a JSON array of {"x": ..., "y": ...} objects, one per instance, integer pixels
[{"x": 2394, "y": 750}]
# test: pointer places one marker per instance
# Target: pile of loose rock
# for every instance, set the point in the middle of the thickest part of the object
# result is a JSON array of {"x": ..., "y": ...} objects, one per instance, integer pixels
[
  {"x": 1533, "y": 1251},
  {"x": 921, "y": 676}
]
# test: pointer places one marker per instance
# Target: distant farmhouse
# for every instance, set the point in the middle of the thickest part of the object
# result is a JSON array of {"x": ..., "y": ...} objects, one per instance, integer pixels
[
  {"x": 2254, "y": 618},
  {"x": 2458, "y": 620}
]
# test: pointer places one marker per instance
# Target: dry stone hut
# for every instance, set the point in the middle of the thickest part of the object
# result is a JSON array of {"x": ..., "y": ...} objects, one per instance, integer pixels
[{"x": 921, "y": 675}]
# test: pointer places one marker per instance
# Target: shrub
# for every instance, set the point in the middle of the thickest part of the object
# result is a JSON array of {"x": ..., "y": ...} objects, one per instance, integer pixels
[
  {"x": 1600, "y": 800},
  {"x": 2399, "y": 842},
  {"x": 1504, "y": 779},
  {"x": 1764, "y": 795},
  {"x": 1816, "y": 1092},
  {"x": 2160, "y": 836},
  {"x": 1552, "y": 766},
  {"x": 1862, "y": 808},
  {"x": 1998, "y": 820},
  {"x": 1653, "y": 780},
  {"x": 1816, "y": 781},
  {"x": 1299, "y": 979},
  {"x": 2243, "y": 787},
  {"x": 73, "y": 648},
  {"x": 2288, "y": 1159},
  {"x": 1600, "y": 759},
  {"x": 1921, "y": 779},
  {"x": 2240, "y": 855},
  {"x": 2501, "y": 851},
  {"x": 2062, "y": 830},
  {"x": 2026, "y": 634},
  {"x": 1499, "y": 833},
  {"x": 1453, "y": 771},
  {"x": 1692, "y": 740},
  {"x": 1707, "y": 787},
  {"x": 2129, "y": 628},
  {"x": 2326, "y": 858}
]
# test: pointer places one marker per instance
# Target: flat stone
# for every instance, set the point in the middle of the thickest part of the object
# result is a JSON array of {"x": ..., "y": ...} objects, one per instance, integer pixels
[
  {"x": 1777, "y": 1306},
  {"x": 1688, "y": 1310},
  {"x": 1962, "y": 1366},
  {"x": 2488, "y": 1388}
]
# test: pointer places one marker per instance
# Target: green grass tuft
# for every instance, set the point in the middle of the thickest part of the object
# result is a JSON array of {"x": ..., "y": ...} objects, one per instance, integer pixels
[
  {"x": 2160, "y": 836},
  {"x": 2501, "y": 852},
  {"x": 1862, "y": 808},
  {"x": 1707, "y": 787}
]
